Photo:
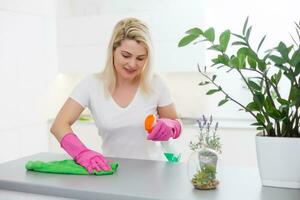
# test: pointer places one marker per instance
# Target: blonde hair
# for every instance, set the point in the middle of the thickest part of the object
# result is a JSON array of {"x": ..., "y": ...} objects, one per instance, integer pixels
[{"x": 134, "y": 29}]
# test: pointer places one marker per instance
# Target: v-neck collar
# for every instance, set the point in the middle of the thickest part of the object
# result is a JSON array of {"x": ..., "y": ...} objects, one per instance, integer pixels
[{"x": 129, "y": 105}]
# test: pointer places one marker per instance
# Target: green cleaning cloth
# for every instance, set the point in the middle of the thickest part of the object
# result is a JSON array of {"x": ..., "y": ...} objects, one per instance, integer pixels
[{"x": 66, "y": 167}]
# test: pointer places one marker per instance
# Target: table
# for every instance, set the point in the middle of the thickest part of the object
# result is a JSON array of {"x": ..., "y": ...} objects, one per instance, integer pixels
[{"x": 137, "y": 179}]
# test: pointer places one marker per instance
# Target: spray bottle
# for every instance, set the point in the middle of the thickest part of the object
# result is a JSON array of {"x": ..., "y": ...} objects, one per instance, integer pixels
[{"x": 168, "y": 148}]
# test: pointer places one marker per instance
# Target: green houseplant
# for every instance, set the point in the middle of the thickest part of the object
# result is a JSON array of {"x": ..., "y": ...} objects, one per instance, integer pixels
[
  {"x": 276, "y": 115},
  {"x": 205, "y": 150}
]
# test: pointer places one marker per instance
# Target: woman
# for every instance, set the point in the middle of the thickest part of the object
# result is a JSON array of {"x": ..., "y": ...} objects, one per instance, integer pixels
[{"x": 119, "y": 99}]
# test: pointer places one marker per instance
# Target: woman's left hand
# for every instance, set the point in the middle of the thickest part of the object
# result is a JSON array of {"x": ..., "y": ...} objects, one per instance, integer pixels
[{"x": 164, "y": 129}]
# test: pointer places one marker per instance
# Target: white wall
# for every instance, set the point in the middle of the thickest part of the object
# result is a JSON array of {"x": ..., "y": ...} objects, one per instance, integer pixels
[
  {"x": 32, "y": 91},
  {"x": 85, "y": 27},
  {"x": 268, "y": 17},
  {"x": 27, "y": 64}
]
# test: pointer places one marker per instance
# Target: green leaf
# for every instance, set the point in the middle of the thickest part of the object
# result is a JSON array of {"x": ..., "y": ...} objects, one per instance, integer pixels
[
  {"x": 187, "y": 39},
  {"x": 248, "y": 33},
  {"x": 214, "y": 77},
  {"x": 215, "y": 60},
  {"x": 289, "y": 75},
  {"x": 243, "y": 50},
  {"x": 260, "y": 118},
  {"x": 284, "y": 51},
  {"x": 277, "y": 60},
  {"x": 223, "y": 59},
  {"x": 224, "y": 40},
  {"x": 238, "y": 36},
  {"x": 209, "y": 34},
  {"x": 242, "y": 58},
  {"x": 276, "y": 77},
  {"x": 256, "y": 124},
  {"x": 239, "y": 43},
  {"x": 204, "y": 83},
  {"x": 215, "y": 47},
  {"x": 194, "y": 31},
  {"x": 212, "y": 91},
  {"x": 268, "y": 104},
  {"x": 275, "y": 114},
  {"x": 259, "y": 98},
  {"x": 245, "y": 25},
  {"x": 241, "y": 54},
  {"x": 254, "y": 85},
  {"x": 234, "y": 62},
  {"x": 283, "y": 101},
  {"x": 251, "y": 62},
  {"x": 252, "y": 106},
  {"x": 297, "y": 69},
  {"x": 269, "y": 126},
  {"x": 222, "y": 102},
  {"x": 260, "y": 128},
  {"x": 261, "y": 65},
  {"x": 294, "y": 95},
  {"x": 296, "y": 58},
  {"x": 261, "y": 42}
]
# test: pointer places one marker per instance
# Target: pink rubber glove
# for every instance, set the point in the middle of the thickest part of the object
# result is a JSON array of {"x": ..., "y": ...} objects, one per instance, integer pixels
[
  {"x": 87, "y": 158},
  {"x": 164, "y": 129}
]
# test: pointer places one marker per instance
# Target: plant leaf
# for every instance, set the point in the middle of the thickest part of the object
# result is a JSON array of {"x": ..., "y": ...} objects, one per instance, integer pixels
[
  {"x": 224, "y": 40},
  {"x": 187, "y": 39},
  {"x": 260, "y": 118},
  {"x": 222, "y": 102},
  {"x": 296, "y": 57},
  {"x": 261, "y": 65},
  {"x": 214, "y": 77},
  {"x": 238, "y": 36},
  {"x": 248, "y": 33},
  {"x": 252, "y": 106},
  {"x": 269, "y": 126},
  {"x": 259, "y": 98},
  {"x": 204, "y": 83},
  {"x": 254, "y": 85},
  {"x": 212, "y": 91},
  {"x": 277, "y": 60},
  {"x": 275, "y": 114},
  {"x": 234, "y": 62},
  {"x": 245, "y": 25},
  {"x": 261, "y": 42},
  {"x": 260, "y": 128},
  {"x": 276, "y": 77},
  {"x": 251, "y": 62},
  {"x": 239, "y": 43},
  {"x": 283, "y": 101},
  {"x": 256, "y": 124},
  {"x": 209, "y": 34},
  {"x": 194, "y": 31},
  {"x": 215, "y": 47}
]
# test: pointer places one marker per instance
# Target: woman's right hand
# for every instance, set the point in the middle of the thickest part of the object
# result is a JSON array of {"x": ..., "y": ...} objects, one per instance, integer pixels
[{"x": 92, "y": 160}]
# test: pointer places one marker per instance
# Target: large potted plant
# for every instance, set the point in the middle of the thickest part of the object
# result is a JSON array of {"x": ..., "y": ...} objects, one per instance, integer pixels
[{"x": 273, "y": 73}]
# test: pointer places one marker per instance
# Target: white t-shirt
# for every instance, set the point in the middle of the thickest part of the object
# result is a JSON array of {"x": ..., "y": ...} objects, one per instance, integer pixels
[{"x": 122, "y": 129}]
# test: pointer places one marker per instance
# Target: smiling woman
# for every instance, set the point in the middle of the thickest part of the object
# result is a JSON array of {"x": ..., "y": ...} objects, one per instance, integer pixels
[
  {"x": 119, "y": 99},
  {"x": 129, "y": 62}
]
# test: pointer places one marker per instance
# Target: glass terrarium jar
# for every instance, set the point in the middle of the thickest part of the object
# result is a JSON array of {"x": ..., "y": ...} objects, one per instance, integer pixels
[{"x": 202, "y": 166}]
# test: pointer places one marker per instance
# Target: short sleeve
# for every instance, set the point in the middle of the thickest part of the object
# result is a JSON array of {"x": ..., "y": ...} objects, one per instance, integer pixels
[
  {"x": 164, "y": 94},
  {"x": 81, "y": 92}
]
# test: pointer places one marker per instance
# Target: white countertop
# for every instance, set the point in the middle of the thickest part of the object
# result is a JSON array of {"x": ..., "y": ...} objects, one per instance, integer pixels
[{"x": 134, "y": 179}]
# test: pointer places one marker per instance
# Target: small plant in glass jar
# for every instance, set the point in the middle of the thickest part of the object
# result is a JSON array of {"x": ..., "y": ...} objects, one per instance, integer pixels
[{"x": 205, "y": 154}]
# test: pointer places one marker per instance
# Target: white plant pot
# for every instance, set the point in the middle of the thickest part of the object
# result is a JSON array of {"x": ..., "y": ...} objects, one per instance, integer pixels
[{"x": 278, "y": 161}]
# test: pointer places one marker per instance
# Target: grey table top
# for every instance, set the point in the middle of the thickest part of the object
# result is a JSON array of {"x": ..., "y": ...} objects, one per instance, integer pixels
[{"x": 138, "y": 179}]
